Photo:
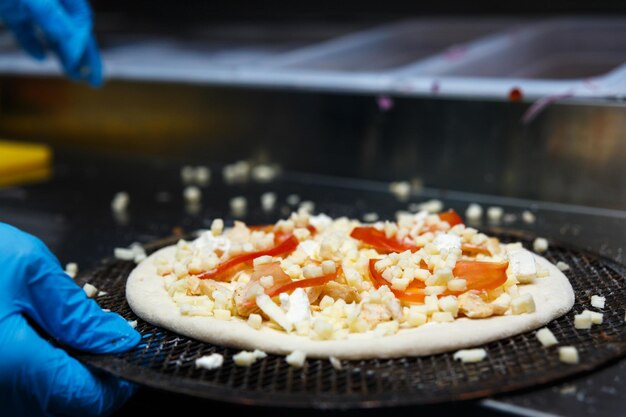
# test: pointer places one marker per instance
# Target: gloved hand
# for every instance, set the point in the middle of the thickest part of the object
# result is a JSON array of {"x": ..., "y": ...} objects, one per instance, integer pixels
[
  {"x": 36, "y": 378},
  {"x": 61, "y": 25}
]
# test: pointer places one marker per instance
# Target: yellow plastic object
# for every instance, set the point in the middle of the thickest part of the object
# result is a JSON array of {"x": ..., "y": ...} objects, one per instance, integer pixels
[{"x": 22, "y": 163}]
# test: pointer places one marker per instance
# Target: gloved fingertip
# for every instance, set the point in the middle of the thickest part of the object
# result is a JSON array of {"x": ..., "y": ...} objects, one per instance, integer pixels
[{"x": 125, "y": 341}]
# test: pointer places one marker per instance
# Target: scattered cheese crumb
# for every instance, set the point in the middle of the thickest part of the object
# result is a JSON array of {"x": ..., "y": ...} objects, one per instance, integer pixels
[
  {"x": 596, "y": 318},
  {"x": 210, "y": 362},
  {"x": 307, "y": 206},
  {"x": 259, "y": 354},
  {"x": 102, "y": 293},
  {"x": 335, "y": 362},
  {"x": 296, "y": 358},
  {"x": 90, "y": 290},
  {"x": 120, "y": 202},
  {"x": 474, "y": 212},
  {"x": 528, "y": 217},
  {"x": 187, "y": 174},
  {"x": 431, "y": 206},
  {"x": 442, "y": 317},
  {"x": 370, "y": 217},
  {"x": 540, "y": 245},
  {"x": 124, "y": 254},
  {"x": 583, "y": 320},
  {"x": 132, "y": 323},
  {"x": 523, "y": 304},
  {"x": 470, "y": 355},
  {"x": 202, "y": 175},
  {"x": 221, "y": 314},
  {"x": 546, "y": 337},
  {"x": 255, "y": 321},
  {"x": 192, "y": 194},
  {"x": 568, "y": 354},
  {"x": 562, "y": 266},
  {"x": 401, "y": 189},
  {"x": 217, "y": 227},
  {"x": 238, "y": 205},
  {"x": 245, "y": 358},
  {"x": 597, "y": 301},
  {"x": 264, "y": 173},
  {"x": 106, "y": 310},
  {"x": 236, "y": 173},
  {"x": 268, "y": 201},
  {"x": 293, "y": 199},
  {"x": 71, "y": 269},
  {"x": 494, "y": 214}
]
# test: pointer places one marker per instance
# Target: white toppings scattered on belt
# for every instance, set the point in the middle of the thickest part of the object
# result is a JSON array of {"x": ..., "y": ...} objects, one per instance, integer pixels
[
  {"x": 562, "y": 266},
  {"x": 598, "y": 301},
  {"x": 528, "y": 217},
  {"x": 90, "y": 290},
  {"x": 296, "y": 359},
  {"x": 120, "y": 202},
  {"x": 210, "y": 362},
  {"x": 474, "y": 212},
  {"x": 540, "y": 245},
  {"x": 268, "y": 201},
  {"x": 494, "y": 214},
  {"x": 546, "y": 337},
  {"x": 470, "y": 355},
  {"x": 71, "y": 269},
  {"x": 568, "y": 354}
]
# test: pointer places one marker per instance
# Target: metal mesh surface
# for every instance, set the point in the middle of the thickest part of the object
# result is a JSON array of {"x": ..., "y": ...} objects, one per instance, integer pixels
[{"x": 165, "y": 360}]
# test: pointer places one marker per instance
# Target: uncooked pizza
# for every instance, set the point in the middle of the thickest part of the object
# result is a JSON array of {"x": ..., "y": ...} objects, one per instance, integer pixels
[{"x": 421, "y": 285}]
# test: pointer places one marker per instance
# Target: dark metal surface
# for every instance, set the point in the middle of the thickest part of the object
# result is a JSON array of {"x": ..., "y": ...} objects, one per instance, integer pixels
[{"x": 166, "y": 360}]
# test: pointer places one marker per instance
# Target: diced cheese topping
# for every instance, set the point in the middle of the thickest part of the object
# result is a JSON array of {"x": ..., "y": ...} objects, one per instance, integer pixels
[
  {"x": 523, "y": 304},
  {"x": 494, "y": 214},
  {"x": 540, "y": 245},
  {"x": 596, "y": 318},
  {"x": 274, "y": 312},
  {"x": 597, "y": 301},
  {"x": 446, "y": 243},
  {"x": 523, "y": 266},
  {"x": 255, "y": 321},
  {"x": 353, "y": 302},
  {"x": 124, "y": 254},
  {"x": 210, "y": 362},
  {"x": 474, "y": 212},
  {"x": 296, "y": 359},
  {"x": 443, "y": 316},
  {"x": 470, "y": 355},
  {"x": 402, "y": 190},
  {"x": 562, "y": 266},
  {"x": 568, "y": 354},
  {"x": 244, "y": 358},
  {"x": 132, "y": 323},
  {"x": 528, "y": 217},
  {"x": 299, "y": 307},
  {"x": 583, "y": 320},
  {"x": 120, "y": 202},
  {"x": 192, "y": 194},
  {"x": 268, "y": 201},
  {"x": 336, "y": 363},
  {"x": 90, "y": 290},
  {"x": 71, "y": 269},
  {"x": 546, "y": 337}
]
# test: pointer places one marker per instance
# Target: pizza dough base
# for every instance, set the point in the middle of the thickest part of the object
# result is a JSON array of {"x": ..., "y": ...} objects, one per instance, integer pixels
[{"x": 148, "y": 298}]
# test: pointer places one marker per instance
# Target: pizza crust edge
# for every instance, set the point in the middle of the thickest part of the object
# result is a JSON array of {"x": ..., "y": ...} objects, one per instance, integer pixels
[{"x": 147, "y": 297}]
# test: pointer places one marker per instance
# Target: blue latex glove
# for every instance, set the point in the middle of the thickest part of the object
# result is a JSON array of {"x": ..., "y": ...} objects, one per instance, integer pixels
[
  {"x": 36, "y": 378},
  {"x": 61, "y": 25}
]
